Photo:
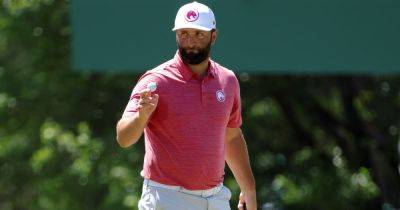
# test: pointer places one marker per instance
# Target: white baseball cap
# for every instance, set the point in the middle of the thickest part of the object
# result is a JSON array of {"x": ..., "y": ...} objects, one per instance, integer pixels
[{"x": 195, "y": 15}]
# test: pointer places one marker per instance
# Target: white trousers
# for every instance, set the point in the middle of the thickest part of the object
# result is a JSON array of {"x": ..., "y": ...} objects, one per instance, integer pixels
[{"x": 157, "y": 196}]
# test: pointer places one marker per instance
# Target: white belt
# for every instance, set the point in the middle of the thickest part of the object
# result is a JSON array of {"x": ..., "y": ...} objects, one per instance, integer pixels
[{"x": 202, "y": 193}]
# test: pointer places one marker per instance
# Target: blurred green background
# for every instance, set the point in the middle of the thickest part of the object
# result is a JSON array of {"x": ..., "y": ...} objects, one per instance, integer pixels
[{"x": 315, "y": 141}]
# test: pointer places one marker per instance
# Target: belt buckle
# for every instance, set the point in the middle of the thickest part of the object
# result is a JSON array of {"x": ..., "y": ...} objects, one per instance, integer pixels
[
  {"x": 209, "y": 192},
  {"x": 190, "y": 192},
  {"x": 205, "y": 193},
  {"x": 202, "y": 193}
]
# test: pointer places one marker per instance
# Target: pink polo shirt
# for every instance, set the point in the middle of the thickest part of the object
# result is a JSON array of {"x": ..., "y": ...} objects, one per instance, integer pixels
[{"x": 184, "y": 138}]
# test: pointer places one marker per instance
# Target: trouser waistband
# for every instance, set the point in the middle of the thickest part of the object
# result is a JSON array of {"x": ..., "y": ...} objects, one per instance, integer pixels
[{"x": 202, "y": 193}]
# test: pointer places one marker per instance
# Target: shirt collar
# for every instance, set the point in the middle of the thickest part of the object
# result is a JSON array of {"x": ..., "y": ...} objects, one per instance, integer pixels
[{"x": 185, "y": 70}]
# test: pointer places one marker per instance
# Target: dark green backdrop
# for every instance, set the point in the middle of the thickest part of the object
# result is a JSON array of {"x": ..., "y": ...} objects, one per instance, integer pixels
[{"x": 279, "y": 36}]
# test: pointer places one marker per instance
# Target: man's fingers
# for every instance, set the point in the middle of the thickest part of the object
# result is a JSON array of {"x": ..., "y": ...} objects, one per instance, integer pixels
[
  {"x": 147, "y": 100},
  {"x": 144, "y": 101},
  {"x": 240, "y": 206},
  {"x": 145, "y": 93},
  {"x": 154, "y": 98},
  {"x": 247, "y": 202}
]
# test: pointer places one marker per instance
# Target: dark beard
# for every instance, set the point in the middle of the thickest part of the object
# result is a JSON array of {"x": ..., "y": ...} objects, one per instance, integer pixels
[{"x": 195, "y": 58}]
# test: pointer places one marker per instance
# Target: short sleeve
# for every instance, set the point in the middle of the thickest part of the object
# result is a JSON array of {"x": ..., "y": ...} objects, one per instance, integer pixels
[
  {"x": 235, "y": 117},
  {"x": 132, "y": 105}
]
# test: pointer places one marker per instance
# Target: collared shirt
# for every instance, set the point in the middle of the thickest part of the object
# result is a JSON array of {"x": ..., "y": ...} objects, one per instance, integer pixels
[{"x": 185, "y": 136}]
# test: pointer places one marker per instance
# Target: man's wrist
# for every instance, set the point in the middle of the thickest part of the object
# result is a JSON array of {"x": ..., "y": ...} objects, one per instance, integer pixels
[
  {"x": 142, "y": 117},
  {"x": 249, "y": 189}
]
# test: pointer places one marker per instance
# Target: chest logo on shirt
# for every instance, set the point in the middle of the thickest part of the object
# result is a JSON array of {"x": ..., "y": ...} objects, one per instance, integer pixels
[{"x": 220, "y": 95}]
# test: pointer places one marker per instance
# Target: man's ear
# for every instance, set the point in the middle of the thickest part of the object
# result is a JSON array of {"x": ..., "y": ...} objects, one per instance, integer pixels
[{"x": 213, "y": 36}]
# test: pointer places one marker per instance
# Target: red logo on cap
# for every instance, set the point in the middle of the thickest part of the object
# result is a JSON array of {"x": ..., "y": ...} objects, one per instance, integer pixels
[{"x": 192, "y": 15}]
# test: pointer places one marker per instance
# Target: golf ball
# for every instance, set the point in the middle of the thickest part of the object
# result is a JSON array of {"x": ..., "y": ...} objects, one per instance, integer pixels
[{"x": 152, "y": 86}]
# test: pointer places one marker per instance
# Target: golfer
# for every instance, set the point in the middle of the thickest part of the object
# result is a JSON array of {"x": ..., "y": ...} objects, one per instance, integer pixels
[{"x": 189, "y": 109}]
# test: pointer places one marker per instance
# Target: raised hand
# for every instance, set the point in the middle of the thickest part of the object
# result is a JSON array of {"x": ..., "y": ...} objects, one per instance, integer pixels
[{"x": 147, "y": 103}]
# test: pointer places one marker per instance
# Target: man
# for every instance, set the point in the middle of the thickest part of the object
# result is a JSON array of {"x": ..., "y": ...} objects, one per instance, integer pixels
[{"x": 189, "y": 109}]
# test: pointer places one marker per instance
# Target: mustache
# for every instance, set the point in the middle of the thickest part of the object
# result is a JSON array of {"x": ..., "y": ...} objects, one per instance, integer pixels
[
  {"x": 194, "y": 55},
  {"x": 191, "y": 49}
]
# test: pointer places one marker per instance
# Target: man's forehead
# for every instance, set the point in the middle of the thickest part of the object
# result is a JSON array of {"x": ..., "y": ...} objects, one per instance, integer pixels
[{"x": 191, "y": 30}]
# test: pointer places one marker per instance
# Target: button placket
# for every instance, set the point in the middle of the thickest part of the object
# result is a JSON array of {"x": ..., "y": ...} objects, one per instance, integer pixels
[{"x": 203, "y": 100}]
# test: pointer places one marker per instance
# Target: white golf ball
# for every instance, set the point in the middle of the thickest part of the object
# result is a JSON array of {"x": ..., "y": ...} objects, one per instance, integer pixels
[{"x": 152, "y": 86}]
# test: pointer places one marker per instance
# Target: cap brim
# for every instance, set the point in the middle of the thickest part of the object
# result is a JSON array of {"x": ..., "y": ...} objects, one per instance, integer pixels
[{"x": 193, "y": 27}]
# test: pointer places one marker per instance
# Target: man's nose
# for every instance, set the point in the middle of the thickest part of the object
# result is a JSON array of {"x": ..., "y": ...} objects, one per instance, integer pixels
[{"x": 191, "y": 42}]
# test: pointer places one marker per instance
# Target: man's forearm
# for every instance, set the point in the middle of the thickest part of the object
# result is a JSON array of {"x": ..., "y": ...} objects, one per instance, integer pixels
[
  {"x": 129, "y": 129},
  {"x": 238, "y": 161}
]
